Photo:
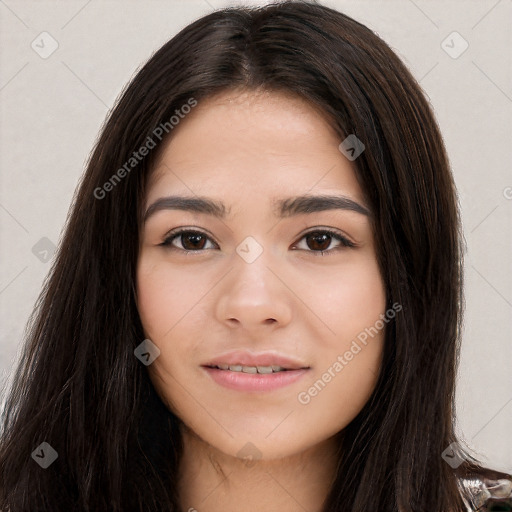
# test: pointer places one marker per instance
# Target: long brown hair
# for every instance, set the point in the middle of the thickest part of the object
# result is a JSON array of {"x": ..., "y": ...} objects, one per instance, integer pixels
[{"x": 79, "y": 386}]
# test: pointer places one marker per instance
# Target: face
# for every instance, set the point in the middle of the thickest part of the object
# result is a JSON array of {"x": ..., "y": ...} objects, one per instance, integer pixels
[{"x": 259, "y": 279}]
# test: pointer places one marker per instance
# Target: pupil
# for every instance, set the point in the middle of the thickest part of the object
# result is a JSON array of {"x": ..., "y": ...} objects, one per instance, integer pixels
[
  {"x": 195, "y": 237},
  {"x": 315, "y": 245}
]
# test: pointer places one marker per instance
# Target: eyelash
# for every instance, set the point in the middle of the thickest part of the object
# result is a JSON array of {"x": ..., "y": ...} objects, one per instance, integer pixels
[{"x": 345, "y": 243}]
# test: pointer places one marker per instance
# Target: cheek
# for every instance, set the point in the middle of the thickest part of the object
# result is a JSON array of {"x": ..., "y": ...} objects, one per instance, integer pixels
[
  {"x": 348, "y": 358},
  {"x": 153, "y": 297},
  {"x": 165, "y": 300},
  {"x": 347, "y": 300},
  {"x": 361, "y": 299},
  {"x": 164, "y": 297},
  {"x": 338, "y": 391}
]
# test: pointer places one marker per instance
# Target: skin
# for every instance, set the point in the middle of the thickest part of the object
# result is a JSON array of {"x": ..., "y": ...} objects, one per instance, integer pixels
[{"x": 246, "y": 148}]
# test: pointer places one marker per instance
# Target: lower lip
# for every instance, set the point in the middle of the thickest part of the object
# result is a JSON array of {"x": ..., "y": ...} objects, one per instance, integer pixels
[{"x": 241, "y": 381}]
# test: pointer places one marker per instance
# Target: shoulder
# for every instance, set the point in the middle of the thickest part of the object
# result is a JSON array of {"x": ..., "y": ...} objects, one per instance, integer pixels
[{"x": 485, "y": 490}]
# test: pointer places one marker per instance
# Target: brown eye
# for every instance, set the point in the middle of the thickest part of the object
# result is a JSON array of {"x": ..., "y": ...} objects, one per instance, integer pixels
[
  {"x": 189, "y": 240},
  {"x": 318, "y": 242},
  {"x": 193, "y": 241}
]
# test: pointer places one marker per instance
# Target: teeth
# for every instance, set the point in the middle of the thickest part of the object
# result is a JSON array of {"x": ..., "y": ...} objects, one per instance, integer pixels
[
  {"x": 264, "y": 369},
  {"x": 251, "y": 369}
]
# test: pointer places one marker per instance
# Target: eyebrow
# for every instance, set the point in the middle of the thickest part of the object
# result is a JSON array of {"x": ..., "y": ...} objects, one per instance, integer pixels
[{"x": 288, "y": 207}]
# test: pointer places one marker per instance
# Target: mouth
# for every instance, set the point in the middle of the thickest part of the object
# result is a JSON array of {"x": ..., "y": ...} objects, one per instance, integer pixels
[
  {"x": 246, "y": 361},
  {"x": 252, "y": 380},
  {"x": 249, "y": 372},
  {"x": 265, "y": 370}
]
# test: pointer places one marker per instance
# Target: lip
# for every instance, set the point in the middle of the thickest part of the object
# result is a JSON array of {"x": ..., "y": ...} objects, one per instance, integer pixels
[
  {"x": 246, "y": 358},
  {"x": 241, "y": 381}
]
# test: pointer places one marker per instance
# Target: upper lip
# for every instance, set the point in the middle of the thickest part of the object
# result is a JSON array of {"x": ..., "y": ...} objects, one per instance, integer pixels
[{"x": 246, "y": 358}]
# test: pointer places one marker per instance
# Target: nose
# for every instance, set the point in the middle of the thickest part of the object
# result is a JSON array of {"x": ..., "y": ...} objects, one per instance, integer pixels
[{"x": 254, "y": 295}]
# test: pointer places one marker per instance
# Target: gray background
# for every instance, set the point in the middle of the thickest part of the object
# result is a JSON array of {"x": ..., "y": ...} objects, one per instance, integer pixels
[{"x": 52, "y": 109}]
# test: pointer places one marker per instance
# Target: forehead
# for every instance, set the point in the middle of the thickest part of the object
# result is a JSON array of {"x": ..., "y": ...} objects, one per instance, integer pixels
[{"x": 269, "y": 143}]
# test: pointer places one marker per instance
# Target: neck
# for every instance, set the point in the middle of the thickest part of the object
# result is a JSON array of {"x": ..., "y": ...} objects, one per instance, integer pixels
[{"x": 211, "y": 481}]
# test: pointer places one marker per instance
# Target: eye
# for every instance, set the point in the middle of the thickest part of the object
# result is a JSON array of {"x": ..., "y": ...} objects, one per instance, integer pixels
[
  {"x": 191, "y": 240},
  {"x": 318, "y": 240}
]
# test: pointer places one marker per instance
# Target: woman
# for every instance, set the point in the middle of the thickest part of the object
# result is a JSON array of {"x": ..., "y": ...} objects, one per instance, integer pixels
[{"x": 257, "y": 300}]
